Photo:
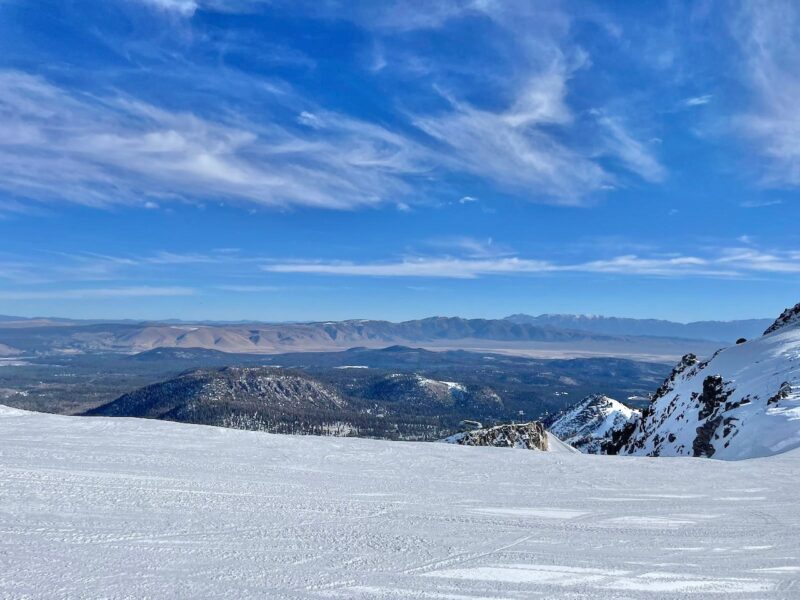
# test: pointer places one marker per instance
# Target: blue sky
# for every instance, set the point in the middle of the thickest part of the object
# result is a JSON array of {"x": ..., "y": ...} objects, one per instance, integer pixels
[{"x": 277, "y": 160}]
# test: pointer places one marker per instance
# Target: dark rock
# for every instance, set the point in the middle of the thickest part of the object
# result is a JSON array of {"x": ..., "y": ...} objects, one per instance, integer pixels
[
  {"x": 714, "y": 395},
  {"x": 531, "y": 436},
  {"x": 787, "y": 317},
  {"x": 686, "y": 362},
  {"x": 702, "y": 445},
  {"x": 783, "y": 393}
]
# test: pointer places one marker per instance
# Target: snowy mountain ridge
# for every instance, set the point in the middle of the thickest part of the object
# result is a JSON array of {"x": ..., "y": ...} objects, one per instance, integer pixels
[
  {"x": 743, "y": 402},
  {"x": 790, "y": 316},
  {"x": 594, "y": 424}
]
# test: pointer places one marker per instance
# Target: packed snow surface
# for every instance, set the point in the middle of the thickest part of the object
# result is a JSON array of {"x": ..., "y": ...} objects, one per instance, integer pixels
[{"x": 113, "y": 508}]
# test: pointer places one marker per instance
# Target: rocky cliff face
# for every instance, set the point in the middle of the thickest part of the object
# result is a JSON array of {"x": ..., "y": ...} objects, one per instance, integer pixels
[
  {"x": 595, "y": 425},
  {"x": 788, "y": 317},
  {"x": 529, "y": 436},
  {"x": 743, "y": 402}
]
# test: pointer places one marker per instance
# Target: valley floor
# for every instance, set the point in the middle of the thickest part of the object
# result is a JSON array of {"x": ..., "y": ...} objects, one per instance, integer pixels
[{"x": 103, "y": 507}]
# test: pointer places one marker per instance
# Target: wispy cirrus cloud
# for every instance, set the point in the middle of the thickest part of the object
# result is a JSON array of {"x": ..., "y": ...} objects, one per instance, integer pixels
[
  {"x": 182, "y": 7},
  {"x": 770, "y": 48},
  {"x": 514, "y": 146},
  {"x": 470, "y": 247},
  {"x": 59, "y": 268},
  {"x": 760, "y": 203},
  {"x": 97, "y": 293},
  {"x": 726, "y": 263},
  {"x": 58, "y": 145},
  {"x": 698, "y": 100},
  {"x": 272, "y": 145},
  {"x": 634, "y": 154}
]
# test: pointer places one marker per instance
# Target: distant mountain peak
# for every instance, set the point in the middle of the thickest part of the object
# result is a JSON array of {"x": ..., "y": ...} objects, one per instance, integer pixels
[
  {"x": 720, "y": 331},
  {"x": 594, "y": 424}
]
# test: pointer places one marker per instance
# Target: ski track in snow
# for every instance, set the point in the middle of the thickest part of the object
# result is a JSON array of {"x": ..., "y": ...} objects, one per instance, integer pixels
[{"x": 126, "y": 508}]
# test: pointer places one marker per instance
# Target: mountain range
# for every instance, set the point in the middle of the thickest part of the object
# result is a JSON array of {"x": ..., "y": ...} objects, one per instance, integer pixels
[
  {"x": 546, "y": 336},
  {"x": 722, "y": 331}
]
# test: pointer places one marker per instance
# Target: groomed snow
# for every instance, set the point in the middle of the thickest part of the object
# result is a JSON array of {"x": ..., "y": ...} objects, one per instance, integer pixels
[{"x": 113, "y": 508}]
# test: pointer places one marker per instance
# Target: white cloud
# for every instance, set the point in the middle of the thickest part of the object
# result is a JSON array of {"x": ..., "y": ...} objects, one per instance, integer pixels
[
  {"x": 698, "y": 100},
  {"x": 728, "y": 263},
  {"x": 513, "y": 148},
  {"x": 635, "y": 155},
  {"x": 759, "y": 203},
  {"x": 99, "y": 150},
  {"x": 56, "y": 145},
  {"x": 767, "y": 32},
  {"x": 453, "y": 268},
  {"x": 183, "y": 7},
  {"x": 400, "y": 15},
  {"x": 470, "y": 247},
  {"x": 97, "y": 293}
]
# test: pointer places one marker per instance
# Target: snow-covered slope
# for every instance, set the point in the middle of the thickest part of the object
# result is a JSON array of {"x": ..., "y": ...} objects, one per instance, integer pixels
[
  {"x": 743, "y": 402},
  {"x": 593, "y": 424},
  {"x": 128, "y": 508}
]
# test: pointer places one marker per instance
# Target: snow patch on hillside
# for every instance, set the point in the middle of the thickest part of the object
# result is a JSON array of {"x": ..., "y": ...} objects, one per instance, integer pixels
[{"x": 435, "y": 384}]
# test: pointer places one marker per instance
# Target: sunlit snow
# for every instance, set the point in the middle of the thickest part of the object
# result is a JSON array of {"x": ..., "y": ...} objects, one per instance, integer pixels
[{"x": 101, "y": 507}]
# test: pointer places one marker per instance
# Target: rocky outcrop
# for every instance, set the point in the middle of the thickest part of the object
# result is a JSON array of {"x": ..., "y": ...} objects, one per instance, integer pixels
[
  {"x": 787, "y": 317},
  {"x": 783, "y": 393},
  {"x": 743, "y": 402},
  {"x": 687, "y": 362},
  {"x": 529, "y": 436}
]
